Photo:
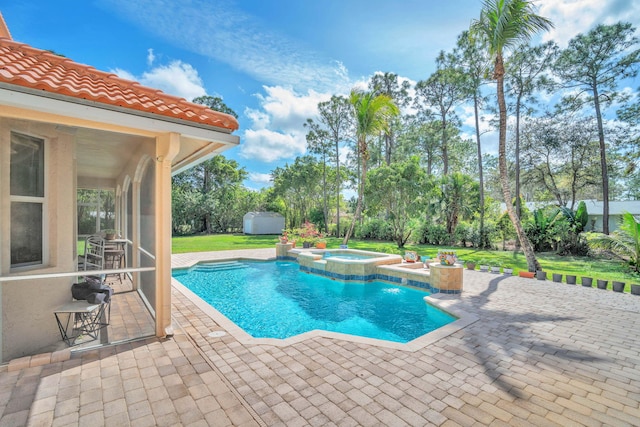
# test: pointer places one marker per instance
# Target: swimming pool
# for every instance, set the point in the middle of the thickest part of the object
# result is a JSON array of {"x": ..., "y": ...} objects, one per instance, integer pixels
[{"x": 276, "y": 300}]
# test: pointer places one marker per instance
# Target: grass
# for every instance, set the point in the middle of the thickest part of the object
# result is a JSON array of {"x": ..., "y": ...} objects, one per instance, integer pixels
[
  {"x": 221, "y": 242},
  {"x": 597, "y": 268}
]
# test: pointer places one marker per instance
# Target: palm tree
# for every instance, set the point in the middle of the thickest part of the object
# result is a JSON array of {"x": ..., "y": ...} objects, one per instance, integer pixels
[
  {"x": 624, "y": 242},
  {"x": 372, "y": 114},
  {"x": 505, "y": 24}
]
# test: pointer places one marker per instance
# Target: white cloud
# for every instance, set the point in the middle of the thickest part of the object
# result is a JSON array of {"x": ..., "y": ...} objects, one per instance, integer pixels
[
  {"x": 277, "y": 130},
  {"x": 220, "y": 30},
  {"x": 177, "y": 78},
  {"x": 150, "y": 57},
  {"x": 260, "y": 178},
  {"x": 123, "y": 74},
  {"x": 269, "y": 146},
  {"x": 572, "y": 17}
]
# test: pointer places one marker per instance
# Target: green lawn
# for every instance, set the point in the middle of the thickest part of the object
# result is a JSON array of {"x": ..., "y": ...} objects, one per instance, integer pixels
[
  {"x": 579, "y": 266},
  {"x": 221, "y": 242}
]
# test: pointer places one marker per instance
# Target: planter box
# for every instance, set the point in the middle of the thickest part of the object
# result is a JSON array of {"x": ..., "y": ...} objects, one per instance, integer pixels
[
  {"x": 484, "y": 268},
  {"x": 587, "y": 282},
  {"x": 527, "y": 274},
  {"x": 557, "y": 277},
  {"x": 602, "y": 284},
  {"x": 571, "y": 279},
  {"x": 635, "y": 289},
  {"x": 541, "y": 275},
  {"x": 495, "y": 270},
  {"x": 508, "y": 271},
  {"x": 617, "y": 286}
]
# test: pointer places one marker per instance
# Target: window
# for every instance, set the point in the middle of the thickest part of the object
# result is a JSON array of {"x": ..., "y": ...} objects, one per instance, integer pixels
[
  {"x": 27, "y": 200},
  {"x": 96, "y": 211}
]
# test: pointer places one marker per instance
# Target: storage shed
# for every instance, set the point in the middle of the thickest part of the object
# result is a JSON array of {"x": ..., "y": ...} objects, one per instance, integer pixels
[{"x": 263, "y": 223}]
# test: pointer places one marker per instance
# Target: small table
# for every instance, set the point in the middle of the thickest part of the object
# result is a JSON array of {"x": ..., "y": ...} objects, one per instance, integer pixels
[
  {"x": 87, "y": 319},
  {"x": 115, "y": 254}
]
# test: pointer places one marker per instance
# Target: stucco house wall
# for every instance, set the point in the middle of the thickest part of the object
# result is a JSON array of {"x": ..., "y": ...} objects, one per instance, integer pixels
[{"x": 27, "y": 321}]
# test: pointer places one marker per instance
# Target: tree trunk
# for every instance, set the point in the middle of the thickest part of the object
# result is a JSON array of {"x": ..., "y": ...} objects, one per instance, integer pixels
[
  {"x": 337, "y": 190},
  {"x": 325, "y": 198},
  {"x": 603, "y": 162},
  {"x": 532, "y": 262},
  {"x": 517, "y": 154},
  {"x": 483, "y": 240},
  {"x": 445, "y": 154},
  {"x": 358, "y": 213}
]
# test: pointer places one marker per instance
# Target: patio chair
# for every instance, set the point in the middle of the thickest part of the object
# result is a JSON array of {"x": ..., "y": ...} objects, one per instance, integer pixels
[{"x": 94, "y": 253}]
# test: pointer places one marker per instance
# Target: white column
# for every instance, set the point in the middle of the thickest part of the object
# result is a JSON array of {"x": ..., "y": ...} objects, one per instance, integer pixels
[{"x": 167, "y": 147}]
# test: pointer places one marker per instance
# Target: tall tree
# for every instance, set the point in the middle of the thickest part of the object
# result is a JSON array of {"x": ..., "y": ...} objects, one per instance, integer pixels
[
  {"x": 441, "y": 93},
  {"x": 388, "y": 84},
  {"x": 594, "y": 63},
  {"x": 504, "y": 24},
  {"x": 558, "y": 156},
  {"x": 318, "y": 142},
  {"x": 213, "y": 184},
  {"x": 371, "y": 115},
  {"x": 398, "y": 189},
  {"x": 215, "y": 103},
  {"x": 524, "y": 75},
  {"x": 298, "y": 185},
  {"x": 458, "y": 200},
  {"x": 474, "y": 63},
  {"x": 335, "y": 114}
]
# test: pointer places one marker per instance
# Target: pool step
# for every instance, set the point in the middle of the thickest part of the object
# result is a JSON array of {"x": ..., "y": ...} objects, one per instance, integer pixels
[{"x": 220, "y": 266}]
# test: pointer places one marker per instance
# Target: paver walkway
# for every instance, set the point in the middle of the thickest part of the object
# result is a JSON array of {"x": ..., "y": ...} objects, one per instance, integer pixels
[{"x": 541, "y": 353}]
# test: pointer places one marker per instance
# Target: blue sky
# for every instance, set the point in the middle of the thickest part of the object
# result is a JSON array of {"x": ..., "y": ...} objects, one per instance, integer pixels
[{"x": 271, "y": 61}]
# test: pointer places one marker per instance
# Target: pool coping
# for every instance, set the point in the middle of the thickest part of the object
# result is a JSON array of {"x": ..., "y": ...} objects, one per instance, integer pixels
[{"x": 463, "y": 320}]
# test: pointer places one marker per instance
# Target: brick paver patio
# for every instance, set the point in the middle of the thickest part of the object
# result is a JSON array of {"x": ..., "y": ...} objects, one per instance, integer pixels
[{"x": 540, "y": 353}]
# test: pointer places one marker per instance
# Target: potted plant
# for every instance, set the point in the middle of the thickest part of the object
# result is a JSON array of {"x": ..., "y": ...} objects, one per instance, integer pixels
[
  {"x": 617, "y": 286},
  {"x": 602, "y": 284},
  {"x": 507, "y": 271},
  {"x": 110, "y": 234},
  {"x": 284, "y": 238},
  {"x": 308, "y": 234},
  {"x": 557, "y": 277},
  {"x": 587, "y": 281},
  {"x": 447, "y": 257},
  {"x": 484, "y": 265},
  {"x": 496, "y": 268},
  {"x": 635, "y": 289},
  {"x": 541, "y": 275},
  {"x": 527, "y": 274},
  {"x": 571, "y": 279},
  {"x": 321, "y": 244},
  {"x": 471, "y": 265}
]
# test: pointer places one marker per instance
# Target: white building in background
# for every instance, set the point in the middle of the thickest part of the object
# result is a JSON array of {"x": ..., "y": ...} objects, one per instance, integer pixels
[
  {"x": 262, "y": 223},
  {"x": 594, "y": 209},
  {"x": 616, "y": 209}
]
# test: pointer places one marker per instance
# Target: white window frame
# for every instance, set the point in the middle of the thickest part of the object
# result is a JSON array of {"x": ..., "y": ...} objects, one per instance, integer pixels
[{"x": 33, "y": 199}]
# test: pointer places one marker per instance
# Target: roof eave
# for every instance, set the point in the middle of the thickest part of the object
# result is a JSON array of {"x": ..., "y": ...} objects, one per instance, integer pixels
[{"x": 61, "y": 105}]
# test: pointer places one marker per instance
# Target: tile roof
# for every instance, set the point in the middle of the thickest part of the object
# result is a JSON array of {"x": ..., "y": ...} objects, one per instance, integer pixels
[{"x": 23, "y": 65}]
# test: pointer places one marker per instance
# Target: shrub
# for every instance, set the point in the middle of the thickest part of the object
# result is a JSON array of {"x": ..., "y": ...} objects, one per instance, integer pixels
[
  {"x": 375, "y": 228},
  {"x": 433, "y": 234}
]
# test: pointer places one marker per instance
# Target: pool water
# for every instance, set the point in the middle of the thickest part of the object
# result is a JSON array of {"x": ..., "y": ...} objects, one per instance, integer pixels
[{"x": 275, "y": 300}]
